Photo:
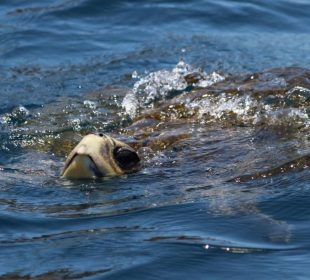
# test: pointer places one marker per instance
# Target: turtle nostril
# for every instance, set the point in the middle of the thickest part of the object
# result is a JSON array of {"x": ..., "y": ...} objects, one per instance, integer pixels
[
  {"x": 126, "y": 158},
  {"x": 100, "y": 134}
]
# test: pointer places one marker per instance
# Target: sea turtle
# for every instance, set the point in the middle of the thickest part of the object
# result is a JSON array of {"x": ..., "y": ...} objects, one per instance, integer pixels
[{"x": 276, "y": 101}]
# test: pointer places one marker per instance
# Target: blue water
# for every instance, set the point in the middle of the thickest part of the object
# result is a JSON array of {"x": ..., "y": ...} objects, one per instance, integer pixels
[{"x": 192, "y": 211}]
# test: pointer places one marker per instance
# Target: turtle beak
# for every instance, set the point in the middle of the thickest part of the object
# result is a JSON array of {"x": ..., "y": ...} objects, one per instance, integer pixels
[
  {"x": 91, "y": 158},
  {"x": 81, "y": 166}
]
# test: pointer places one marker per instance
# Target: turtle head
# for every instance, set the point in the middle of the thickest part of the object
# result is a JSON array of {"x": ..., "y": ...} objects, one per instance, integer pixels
[{"x": 99, "y": 155}]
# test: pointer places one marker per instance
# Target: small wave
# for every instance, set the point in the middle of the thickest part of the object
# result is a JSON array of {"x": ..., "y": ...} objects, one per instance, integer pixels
[{"x": 294, "y": 165}]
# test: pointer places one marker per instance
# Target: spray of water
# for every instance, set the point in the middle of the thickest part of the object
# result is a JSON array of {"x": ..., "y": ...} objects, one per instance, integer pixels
[{"x": 160, "y": 84}]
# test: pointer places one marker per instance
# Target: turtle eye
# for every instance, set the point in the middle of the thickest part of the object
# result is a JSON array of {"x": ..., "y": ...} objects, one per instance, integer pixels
[
  {"x": 126, "y": 158},
  {"x": 100, "y": 134}
]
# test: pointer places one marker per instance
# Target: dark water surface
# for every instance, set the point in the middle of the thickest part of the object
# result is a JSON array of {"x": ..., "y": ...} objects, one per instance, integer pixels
[{"x": 215, "y": 95}]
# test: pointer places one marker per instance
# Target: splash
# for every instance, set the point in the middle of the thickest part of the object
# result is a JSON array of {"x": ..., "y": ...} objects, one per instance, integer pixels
[
  {"x": 248, "y": 110},
  {"x": 164, "y": 84},
  {"x": 220, "y": 107},
  {"x": 19, "y": 114}
]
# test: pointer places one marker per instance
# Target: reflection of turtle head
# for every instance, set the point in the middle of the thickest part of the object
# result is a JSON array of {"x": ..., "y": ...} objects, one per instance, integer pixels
[{"x": 100, "y": 156}]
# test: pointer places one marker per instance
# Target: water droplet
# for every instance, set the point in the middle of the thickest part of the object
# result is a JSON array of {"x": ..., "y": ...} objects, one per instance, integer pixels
[
  {"x": 90, "y": 104},
  {"x": 134, "y": 75}
]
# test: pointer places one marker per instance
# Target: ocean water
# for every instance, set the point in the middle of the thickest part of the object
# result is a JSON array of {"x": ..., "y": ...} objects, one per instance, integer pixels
[{"x": 216, "y": 97}]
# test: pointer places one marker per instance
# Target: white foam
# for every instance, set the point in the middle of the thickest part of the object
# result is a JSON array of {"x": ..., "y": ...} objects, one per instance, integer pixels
[
  {"x": 217, "y": 107},
  {"x": 247, "y": 109},
  {"x": 130, "y": 104},
  {"x": 158, "y": 85},
  {"x": 209, "y": 80}
]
